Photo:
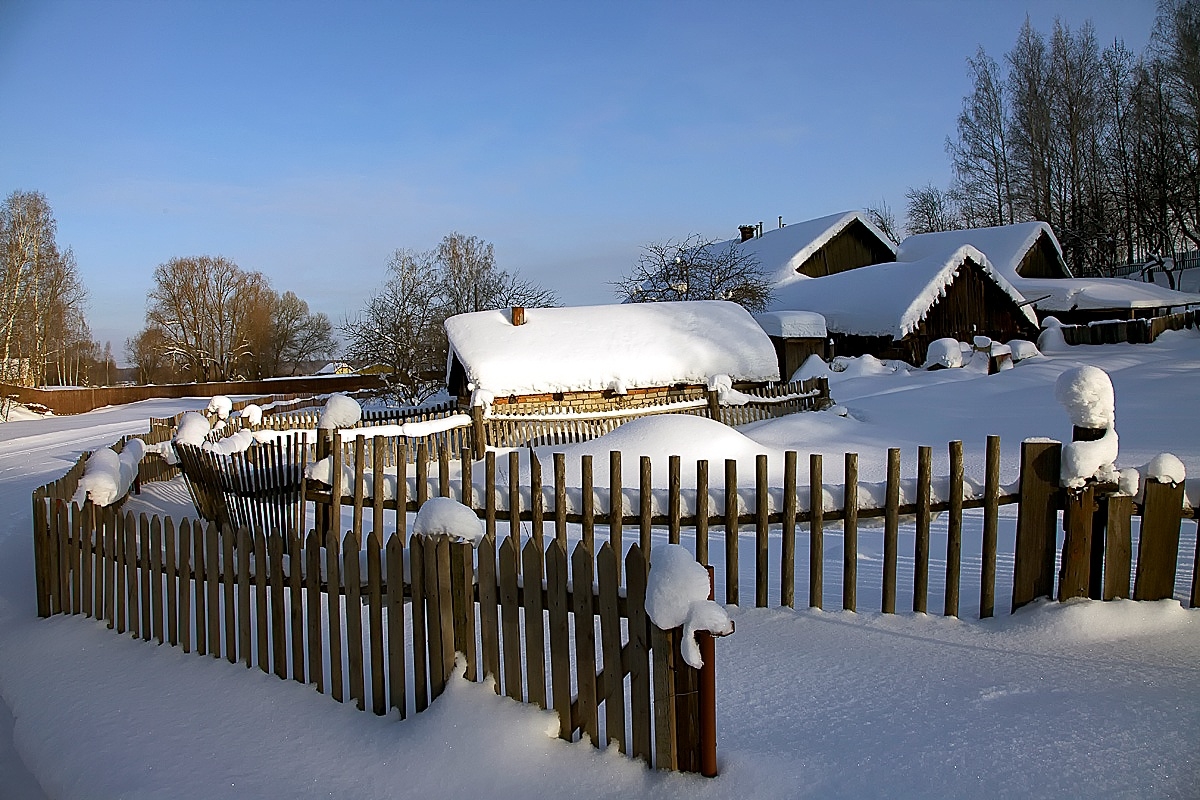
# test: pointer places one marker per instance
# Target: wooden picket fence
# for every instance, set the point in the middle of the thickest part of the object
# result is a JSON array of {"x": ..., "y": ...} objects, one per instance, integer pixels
[
  {"x": 338, "y": 612},
  {"x": 755, "y": 504},
  {"x": 1135, "y": 331}
]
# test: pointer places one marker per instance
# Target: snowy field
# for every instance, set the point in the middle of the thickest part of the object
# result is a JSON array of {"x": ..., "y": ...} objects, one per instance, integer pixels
[{"x": 1080, "y": 699}]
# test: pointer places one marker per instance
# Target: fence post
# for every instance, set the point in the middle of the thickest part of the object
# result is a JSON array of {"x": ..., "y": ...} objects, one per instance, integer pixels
[
  {"x": 478, "y": 432},
  {"x": 714, "y": 405},
  {"x": 1158, "y": 546},
  {"x": 1075, "y": 578},
  {"x": 1037, "y": 521}
]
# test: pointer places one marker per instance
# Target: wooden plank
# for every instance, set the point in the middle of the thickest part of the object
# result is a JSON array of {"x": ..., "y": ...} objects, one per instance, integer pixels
[
  {"x": 991, "y": 528},
  {"x": 422, "y": 473},
  {"x": 229, "y": 595},
  {"x": 954, "y": 527},
  {"x": 665, "y": 754},
  {"x": 587, "y": 502},
  {"x": 921, "y": 544},
  {"x": 433, "y": 616},
  {"x": 275, "y": 545},
  {"x": 816, "y": 533},
  {"x": 1158, "y": 542},
  {"x": 585, "y": 643},
  {"x": 731, "y": 532},
  {"x": 416, "y": 552},
  {"x": 354, "y": 628},
  {"x": 638, "y": 656},
  {"x": 156, "y": 567},
  {"x": 462, "y": 575},
  {"x": 537, "y": 514},
  {"x": 375, "y": 608},
  {"x": 200, "y": 581},
  {"x": 558, "y": 609},
  {"x": 1037, "y": 522},
  {"x": 645, "y": 502},
  {"x": 514, "y": 500},
  {"x": 1074, "y": 578},
  {"x": 787, "y": 556},
  {"x": 489, "y": 631},
  {"x": 702, "y": 511},
  {"x": 616, "y": 503},
  {"x": 212, "y": 570},
  {"x": 184, "y": 602},
  {"x": 535, "y": 637},
  {"x": 121, "y": 571},
  {"x": 850, "y": 535},
  {"x": 489, "y": 499},
  {"x": 172, "y": 580},
  {"x": 397, "y": 689},
  {"x": 891, "y": 531},
  {"x": 674, "y": 492},
  {"x": 560, "y": 497},
  {"x": 1118, "y": 547},
  {"x": 444, "y": 469},
  {"x": 334, "y": 614},
  {"x": 245, "y": 598},
  {"x": 357, "y": 492},
  {"x": 84, "y": 569},
  {"x": 445, "y": 616},
  {"x": 612, "y": 693},
  {"x": 296, "y": 600},
  {"x": 510, "y": 609},
  {"x": 761, "y": 531},
  {"x": 261, "y": 576}
]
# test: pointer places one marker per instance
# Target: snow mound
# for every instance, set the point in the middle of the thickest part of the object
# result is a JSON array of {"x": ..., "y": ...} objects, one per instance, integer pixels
[
  {"x": 1087, "y": 394},
  {"x": 1164, "y": 468},
  {"x": 813, "y": 367},
  {"x": 677, "y": 596},
  {"x": 220, "y": 406},
  {"x": 192, "y": 428},
  {"x": 252, "y": 414},
  {"x": 1023, "y": 349},
  {"x": 1082, "y": 461},
  {"x": 108, "y": 476},
  {"x": 943, "y": 353},
  {"x": 340, "y": 411},
  {"x": 443, "y": 516}
]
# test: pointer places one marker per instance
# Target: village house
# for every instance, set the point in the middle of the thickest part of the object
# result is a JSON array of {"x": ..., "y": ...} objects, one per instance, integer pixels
[
  {"x": 816, "y": 247},
  {"x": 895, "y": 310},
  {"x": 601, "y": 358},
  {"x": 1030, "y": 258}
]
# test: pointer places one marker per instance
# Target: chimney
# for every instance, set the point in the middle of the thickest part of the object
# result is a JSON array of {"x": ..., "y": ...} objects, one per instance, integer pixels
[
  {"x": 747, "y": 232},
  {"x": 518, "y": 315},
  {"x": 760, "y": 227},
  {"x": 781, "y": 220}
]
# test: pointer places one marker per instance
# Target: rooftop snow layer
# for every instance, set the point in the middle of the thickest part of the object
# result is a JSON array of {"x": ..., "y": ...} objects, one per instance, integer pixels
[
  {"x": 1006, "y": 245},
  {"x": 627, "y": 346},
  {"x": 793, "y": 324},
  {"x": 780, "y": 252},
  {"x": 885, "y": 299}
]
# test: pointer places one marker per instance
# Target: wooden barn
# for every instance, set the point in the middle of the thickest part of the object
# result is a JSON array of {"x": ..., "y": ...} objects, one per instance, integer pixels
[
  {"x": 796, "y": 336},
  {"x": 895, "y": 310},
  {"x": 603, "y": 358},
  {"x": 1029, "y": 257},
  {"x": 818, "y": 247}
]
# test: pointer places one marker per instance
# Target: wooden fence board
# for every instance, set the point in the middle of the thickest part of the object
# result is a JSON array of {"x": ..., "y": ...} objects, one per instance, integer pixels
[
  {"x": 212, "y": 560},
  {"x": 761, "y": 530},
  {"x": 639, "y": 656},
  {"x": 585, "y": 643},
  {"x": 375, "y": 611},
  {"x": 921, "y": 544},
  {"x": 1118, "y": 547},
  {"x": 199, "y": 582},
  {"x": 816, "y": 534},
  {"x": 397, "y": 688},
  {"x": 731, "y": 532},
  {"x": 334, "y": 599},
  {"x": 560, "y": 635},
  {"x": 891, "y": 530},
  {"x": 489, "y": 630},
  {"x": 991, "y": 528},
  {"x": 510, "y": 619},
  {"x": 612, "y": 692},
  {"x": 184, "y": 602},
  {"x": 296, "y": 600},
  {"x": 535, "y": 637},
  {"x": 954, "y": 529},
  {"x": 245, "y": 598},
  {"x": 850, "y": 535},
  {"x": 1158, "y": 543},
  {"x": 416, "y": 566},
  {"x": 1037, "y": 522},
  {"x": 353, "y": 628}
]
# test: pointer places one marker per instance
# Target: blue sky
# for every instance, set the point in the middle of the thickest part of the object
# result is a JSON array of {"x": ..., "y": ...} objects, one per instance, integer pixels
[{"x": 310, "y": 140}]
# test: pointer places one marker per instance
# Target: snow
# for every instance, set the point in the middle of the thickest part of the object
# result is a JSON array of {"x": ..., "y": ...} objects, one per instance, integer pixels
[
  {"x": 677, "y": 590},
  {"x": 793, "y": 324},
  {"x": 1086, "y": 393},
  {"x": 1165, "y": 468},
  {"x": 252, "y": 414},
  {"x": 613, "y": 347},
  {"x": 1083, "y": 699},
  {"x": 1022, "y": 349},
  {"x": 885, "y": 299},
  {"x": 943, "y": 353},
  {"x": 1005, "y": 247},
  {"x": 340, "y": 411},
  {"x": 107, "y": 476},
  {"x": 441, "y": 516},
  {"x": 782, "y": 251},
  {"x": 220, "y": 406},
  {"x": 193, "y": 427},
  {"x": 1084, "y": 461}
]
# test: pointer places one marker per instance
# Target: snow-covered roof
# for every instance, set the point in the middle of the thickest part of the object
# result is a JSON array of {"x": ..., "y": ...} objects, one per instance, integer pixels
[
  {"x": 793, "y": 324},
  {"x": 885, "y": 299},
  {"x": 619, "y": 347},
  {"x": 782, "y": 251},
  {"x": 1005, "y": 247}
]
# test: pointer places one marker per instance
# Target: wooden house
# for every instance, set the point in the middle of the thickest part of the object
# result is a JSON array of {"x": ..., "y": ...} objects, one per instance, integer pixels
[
  {"x": 895, "y": 310},
  {"x": 603, "y": 358},
  {"x": 1030, "y": 258},
  {"x": 796, "y": 335},
  {"x": 818, "y": 247}
]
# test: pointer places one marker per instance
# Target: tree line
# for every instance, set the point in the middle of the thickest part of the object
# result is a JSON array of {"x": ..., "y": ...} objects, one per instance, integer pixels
[{"x": 1101, "y": 142}]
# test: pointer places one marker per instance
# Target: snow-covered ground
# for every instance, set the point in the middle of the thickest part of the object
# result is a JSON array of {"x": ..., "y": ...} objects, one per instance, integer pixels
[{"x": 1080, "y": 699}]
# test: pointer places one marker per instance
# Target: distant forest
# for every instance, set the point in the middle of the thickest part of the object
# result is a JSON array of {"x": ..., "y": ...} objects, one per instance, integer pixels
[{"x": 1101, "y": 142}]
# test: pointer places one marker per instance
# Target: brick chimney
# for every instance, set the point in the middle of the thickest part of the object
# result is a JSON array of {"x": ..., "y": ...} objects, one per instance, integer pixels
[
  {"x": 518, "y": 315},
  {"x": 747, "y": 232}
]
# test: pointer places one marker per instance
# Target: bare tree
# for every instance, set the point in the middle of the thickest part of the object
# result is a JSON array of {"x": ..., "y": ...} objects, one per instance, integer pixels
[
  {"x": 471, "y": 281},
  {"x": 931, "y": 210},
  {"x": 979, "y": 155},
  {"x": 206, "y": 308},
  {"x": 288, "y": 336},
  {"x": 696, "y": 269},
  {"x": 881, "y": 217}
]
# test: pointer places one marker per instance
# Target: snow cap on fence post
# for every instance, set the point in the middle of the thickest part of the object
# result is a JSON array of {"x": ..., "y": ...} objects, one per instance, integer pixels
[
  {"x": 444, "y": 516},
  {"x": 677, "y": 590},
  {"x": 1087, "y": 395},
  {"x": 340, "y": 411}
]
